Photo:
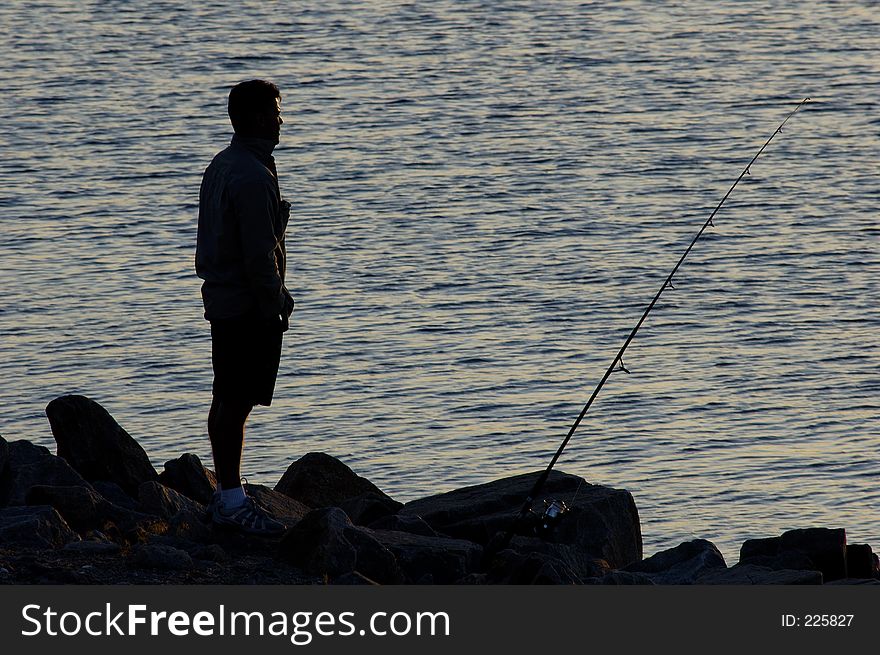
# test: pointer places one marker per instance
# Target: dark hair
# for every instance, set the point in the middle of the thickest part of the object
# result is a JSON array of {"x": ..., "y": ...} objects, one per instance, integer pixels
[{"x": 248, "y": 98}]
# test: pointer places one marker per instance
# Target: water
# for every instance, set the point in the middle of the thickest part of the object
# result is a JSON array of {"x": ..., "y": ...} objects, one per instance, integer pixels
[{"x": 485, "y": 197}]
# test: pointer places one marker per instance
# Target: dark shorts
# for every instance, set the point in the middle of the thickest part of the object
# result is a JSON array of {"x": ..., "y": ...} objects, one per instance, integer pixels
[{"x": 245, "y": 353}]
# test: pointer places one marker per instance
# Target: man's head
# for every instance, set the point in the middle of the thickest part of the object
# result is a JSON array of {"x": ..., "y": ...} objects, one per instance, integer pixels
[{"x": 255, "y": 109}]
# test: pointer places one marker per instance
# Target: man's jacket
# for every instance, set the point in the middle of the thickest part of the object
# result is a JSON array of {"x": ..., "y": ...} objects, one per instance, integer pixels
[{"x": 240, "y": 251}]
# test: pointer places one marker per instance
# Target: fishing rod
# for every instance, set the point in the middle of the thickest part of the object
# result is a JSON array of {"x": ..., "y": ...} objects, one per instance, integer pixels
[{"x": 556, "y": 508}]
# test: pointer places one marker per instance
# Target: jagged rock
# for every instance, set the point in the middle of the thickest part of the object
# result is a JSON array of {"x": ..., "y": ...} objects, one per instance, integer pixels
[
  {"x": 510, "y": 567},
  {"x": 188, "y": 476},
  {"x": 39, "y": 526},
  {"x": 579, "y": 562},
  {"x": 445, "y": 560},
  {"x": 326, "y": 542},
  {"x": 29, "y": 465},
  {"x": 158, "y": 556},
  {"x": 398, "y": 523},
  {"x": 368, "y": 507},
  {"x": 821, "y": 549},
  {"x": 683, "y": 564},
  {"x": 859, "y": 561},
  {"x": 83, "y": 508},
  {"x": 96, "y": 445},
  {"x": 602, "y": 521},
  {"x": 751, "y": 574},
  {"x": 283, "y": 508},
  {"x": 156, "y": 498},
  {"x": 320, "y": 480},
  {"x": 115, "y": 494}
]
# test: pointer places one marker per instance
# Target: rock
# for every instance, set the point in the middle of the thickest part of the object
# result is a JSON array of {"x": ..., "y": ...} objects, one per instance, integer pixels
[
  {"x": 211, "y": 553},
  {"x": 602, "y": 521},
  {"x": 509, "y": 567},
  {"x": 368, "y": 507},
  {"x": 95, "y": 445},
  {"x": 821, "y": 549},
  {"x": 445, "y": 560},
  {"x": 82, "y": 508},
  {"x": 157, "y": 556},
  {"x": 579, "y": 562},
  {"x": 319, "y": 480},
  {"x": 188, "y": 476},
  {"x": 325, "y": 542},
  {"x": 156, "y": 498},
  {"x": 39, "y": 526},
  {"x": 92, "y": 547},
  {"x": 859, "y": 561},
  {"x": 115, "y": 494},
  {"x": 825, "y": 546},
  {"x": 283, "y": 508},
  {"x": 755, "y": 548},
  {"x": 190, "y": 526},
  {"x": 398, "y": 523},
  {"x": 751, "y": 574},
  {"x": 683, "y": 564},
  {"x": 29, "y": 465}
]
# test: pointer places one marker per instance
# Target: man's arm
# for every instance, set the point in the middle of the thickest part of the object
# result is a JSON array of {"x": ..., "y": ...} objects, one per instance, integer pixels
[{"x": 256, "y": 205}]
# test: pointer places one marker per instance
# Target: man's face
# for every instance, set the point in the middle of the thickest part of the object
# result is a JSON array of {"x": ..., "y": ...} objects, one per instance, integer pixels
[{"x": 269, "y": 122}]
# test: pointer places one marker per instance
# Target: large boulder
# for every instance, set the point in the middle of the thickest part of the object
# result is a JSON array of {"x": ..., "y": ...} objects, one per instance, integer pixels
[
  {"x": 441, "y": 560},
  {"x": 83, "y": 508},
  {"x": 39, "y": 526},
  {"x": 602, "y": 521},
  {"x": 188, "y": 476},
  {"x": 752, "y": 574},
  {"x": 326, "y": 542},
  {"x": 819, "y": 549},
  {"x": 283, "y": 508},
  {"x": 320, "y": 480},
  {"x": 860, "y": 561},
  {"x": 96, "y": 445},
  {"x": 28, "y": 465},
  {"x": 369, "y": 507},
  {"x": 683, "y": 564}
]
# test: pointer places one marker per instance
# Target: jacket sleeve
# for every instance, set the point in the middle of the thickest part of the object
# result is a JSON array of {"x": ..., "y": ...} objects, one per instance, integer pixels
[{"x": 255, "y": 203}]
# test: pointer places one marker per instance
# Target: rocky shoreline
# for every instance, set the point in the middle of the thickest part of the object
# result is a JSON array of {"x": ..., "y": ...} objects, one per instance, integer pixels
[{"x": 97, "y": 512}]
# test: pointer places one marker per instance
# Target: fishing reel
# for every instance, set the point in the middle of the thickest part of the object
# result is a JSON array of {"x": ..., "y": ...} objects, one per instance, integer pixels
[{"x": 546, "y": 522}]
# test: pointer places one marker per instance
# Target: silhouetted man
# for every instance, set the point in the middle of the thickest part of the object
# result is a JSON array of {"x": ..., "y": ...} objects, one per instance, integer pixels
[{"x": 241, "y": 257}]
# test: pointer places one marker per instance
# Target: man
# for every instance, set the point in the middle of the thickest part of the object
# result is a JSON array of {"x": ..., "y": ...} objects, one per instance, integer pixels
[{"x": 241, "y": 257}]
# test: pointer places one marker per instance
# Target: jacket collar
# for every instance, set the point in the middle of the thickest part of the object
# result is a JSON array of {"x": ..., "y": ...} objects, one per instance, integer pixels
[{"x": 262, "y": 148}]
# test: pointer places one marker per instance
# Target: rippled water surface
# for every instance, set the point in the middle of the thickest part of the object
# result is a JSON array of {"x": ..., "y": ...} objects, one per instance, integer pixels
[{"x": 486, "y": 195}]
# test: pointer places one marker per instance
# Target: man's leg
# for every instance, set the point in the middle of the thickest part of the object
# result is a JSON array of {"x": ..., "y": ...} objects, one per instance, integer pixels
[{"x": 226, "y": 430}]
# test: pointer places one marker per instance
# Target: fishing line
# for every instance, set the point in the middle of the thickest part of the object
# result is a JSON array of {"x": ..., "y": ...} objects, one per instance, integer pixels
[{"x": 617, "y": 363}]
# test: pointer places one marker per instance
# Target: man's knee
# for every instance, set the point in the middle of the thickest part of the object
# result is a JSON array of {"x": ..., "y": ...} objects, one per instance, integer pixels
[{"x": 231, "y": 411}]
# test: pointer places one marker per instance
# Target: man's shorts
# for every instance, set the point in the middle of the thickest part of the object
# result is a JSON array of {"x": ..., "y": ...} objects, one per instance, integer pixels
[{"x": 245, "y": 352}]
